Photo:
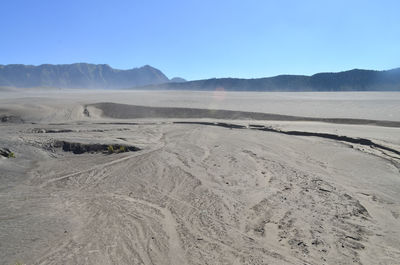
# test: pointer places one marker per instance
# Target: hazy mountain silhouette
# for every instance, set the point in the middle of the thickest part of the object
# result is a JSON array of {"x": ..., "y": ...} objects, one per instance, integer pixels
[
  {"x": 83, "y": 75},
  {"x": 177, "y": 80},
  {"x": 353, "y": 80},
  {"x": 78, "y": 75}
]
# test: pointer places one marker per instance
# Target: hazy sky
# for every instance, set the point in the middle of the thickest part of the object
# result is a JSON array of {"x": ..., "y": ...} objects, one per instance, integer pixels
[{"x": 198, "y": 39}]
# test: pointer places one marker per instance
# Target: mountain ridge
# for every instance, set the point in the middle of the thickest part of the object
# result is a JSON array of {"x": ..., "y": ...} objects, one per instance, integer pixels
[
  {"x": 103, "y": 76},
  {"x": 351, "y": 80},
  {"x": 78, "y": 75}
]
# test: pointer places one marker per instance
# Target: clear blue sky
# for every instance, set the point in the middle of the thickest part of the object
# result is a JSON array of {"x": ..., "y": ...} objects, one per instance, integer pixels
[{"x": 198, "y": 39}]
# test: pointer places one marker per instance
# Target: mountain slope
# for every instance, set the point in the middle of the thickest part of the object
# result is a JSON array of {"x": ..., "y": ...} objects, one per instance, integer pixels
[
  {"x": 83, "y": 75},
  {"x": 79, "y": 75},
  {"x": 353, "y": 80}
]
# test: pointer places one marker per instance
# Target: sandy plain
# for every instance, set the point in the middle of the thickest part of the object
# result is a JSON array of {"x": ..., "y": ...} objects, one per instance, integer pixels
[{"x": 214, "y": 181}]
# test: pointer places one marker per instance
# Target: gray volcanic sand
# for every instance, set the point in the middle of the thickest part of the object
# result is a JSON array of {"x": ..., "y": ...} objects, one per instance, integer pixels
[{"x": 208, "y": 188}]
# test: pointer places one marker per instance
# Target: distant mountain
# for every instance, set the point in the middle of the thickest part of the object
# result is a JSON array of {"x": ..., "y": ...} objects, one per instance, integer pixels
[
  {"x": 353, "y": 80},
  {"x": 83, "y": 75},
  {"x": 78, "y": 75},
  {"x": 177, "y": 80}
]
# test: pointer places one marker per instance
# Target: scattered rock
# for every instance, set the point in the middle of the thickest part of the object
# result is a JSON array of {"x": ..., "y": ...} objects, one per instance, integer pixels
[
  {"x": 317, "y": 242},
  {"x": 324, "y": 190}
]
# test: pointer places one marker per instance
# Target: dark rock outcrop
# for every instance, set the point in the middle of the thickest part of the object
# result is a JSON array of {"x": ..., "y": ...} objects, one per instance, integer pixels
[
  {"x": 5, "y": 152},
  {"x": 11, "y": 119},
  {"x": 80, "y": 148}
]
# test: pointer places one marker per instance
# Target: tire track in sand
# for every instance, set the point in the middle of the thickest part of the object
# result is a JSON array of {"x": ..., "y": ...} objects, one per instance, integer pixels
[{"x": 176, "y": 253}]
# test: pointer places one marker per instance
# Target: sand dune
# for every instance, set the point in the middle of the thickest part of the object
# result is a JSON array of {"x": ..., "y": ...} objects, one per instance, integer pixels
[{"x": 202, "y": 187}]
